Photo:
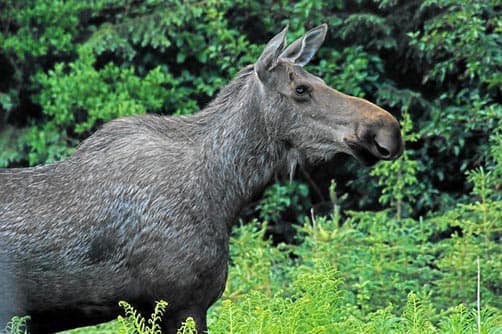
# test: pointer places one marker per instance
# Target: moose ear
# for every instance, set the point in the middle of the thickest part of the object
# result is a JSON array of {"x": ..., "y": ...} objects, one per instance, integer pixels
[
  {"x": 303, "y": 49},
  {"x": 270, "y": 54}
]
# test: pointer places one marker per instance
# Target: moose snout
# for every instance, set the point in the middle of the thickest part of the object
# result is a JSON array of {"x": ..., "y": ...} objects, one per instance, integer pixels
[
  {"x": 388, "y": 143},
  {"x": 377, "y": 134},
  {"x": 380, "y": 140},
  {"x": 385, "y": 142}
]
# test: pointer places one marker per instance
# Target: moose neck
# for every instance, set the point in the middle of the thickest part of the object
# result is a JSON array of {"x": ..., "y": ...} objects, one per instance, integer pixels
[{"x": 239, "y": 154}]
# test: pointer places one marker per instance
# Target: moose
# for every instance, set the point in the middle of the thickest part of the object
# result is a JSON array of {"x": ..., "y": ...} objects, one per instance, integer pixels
[{"x": 142, "y": 210}]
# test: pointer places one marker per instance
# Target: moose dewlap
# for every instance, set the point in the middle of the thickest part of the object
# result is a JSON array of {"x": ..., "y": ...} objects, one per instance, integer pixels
[{"x": 143, "y": 209}]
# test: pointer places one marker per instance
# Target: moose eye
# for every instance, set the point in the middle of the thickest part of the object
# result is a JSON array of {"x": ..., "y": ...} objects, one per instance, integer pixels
[{"x": 301, "y": 90}]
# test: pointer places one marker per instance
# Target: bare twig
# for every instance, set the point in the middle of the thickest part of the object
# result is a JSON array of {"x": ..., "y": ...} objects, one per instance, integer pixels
[{"x": 478, "y": 298}]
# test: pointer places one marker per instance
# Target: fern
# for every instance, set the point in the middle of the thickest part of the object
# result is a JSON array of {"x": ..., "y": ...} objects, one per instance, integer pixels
[
  {"x": 135, "y": 323},
  {"x": 17, "y": 325},
  {"x": 188, "y": 327},
  {"x": 416, "y": 317}
]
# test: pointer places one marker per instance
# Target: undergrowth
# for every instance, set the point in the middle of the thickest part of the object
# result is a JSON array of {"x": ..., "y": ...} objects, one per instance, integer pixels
[{"x": 136, "y": 323}]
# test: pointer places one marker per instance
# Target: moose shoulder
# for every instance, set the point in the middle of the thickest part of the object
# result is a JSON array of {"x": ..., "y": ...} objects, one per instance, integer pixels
[{"x": 142, "y": 210}]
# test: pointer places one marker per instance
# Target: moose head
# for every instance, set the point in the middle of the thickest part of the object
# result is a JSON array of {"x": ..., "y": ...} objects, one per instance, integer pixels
[{"x": 315, "y": 119}]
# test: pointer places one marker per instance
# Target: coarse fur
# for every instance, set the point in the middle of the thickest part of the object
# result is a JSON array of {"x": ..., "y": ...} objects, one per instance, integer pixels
[{"x": 142, "y": 210}]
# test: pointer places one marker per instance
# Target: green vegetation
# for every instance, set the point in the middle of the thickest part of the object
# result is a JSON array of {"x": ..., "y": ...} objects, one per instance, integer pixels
[
  {"x": 16, "y": 325},
  {"x": 410, "y": 265}
]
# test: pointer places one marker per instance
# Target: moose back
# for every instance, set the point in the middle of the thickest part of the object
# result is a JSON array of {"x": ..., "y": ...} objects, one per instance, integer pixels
[{"x": 143, "y": 208}]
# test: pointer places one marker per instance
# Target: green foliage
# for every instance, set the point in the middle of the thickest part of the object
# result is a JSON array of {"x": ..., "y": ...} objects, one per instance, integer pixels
[
  {"x": 188, "y": 327},
  {"x": 479, "y": 224},
  {"x": 460, "y": 53},
  {"x": 337, "y": 201},
  {"x": 257, "y": 268},
  {"x": 135, "y": 323},
  {"x": 309, "y": 310},
  {"x": 16, "y": 326},
  {"x": 11, "y": 151},
  {"x": 78, "y": 97},
  {"x": 279, "y": 197},
  {"x": 338, "y": 286},
  {"x": 398, "y": 179}
]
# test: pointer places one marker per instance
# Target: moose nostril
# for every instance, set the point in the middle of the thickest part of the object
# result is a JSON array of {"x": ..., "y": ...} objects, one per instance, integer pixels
[{"x": 384, "y": 152}]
